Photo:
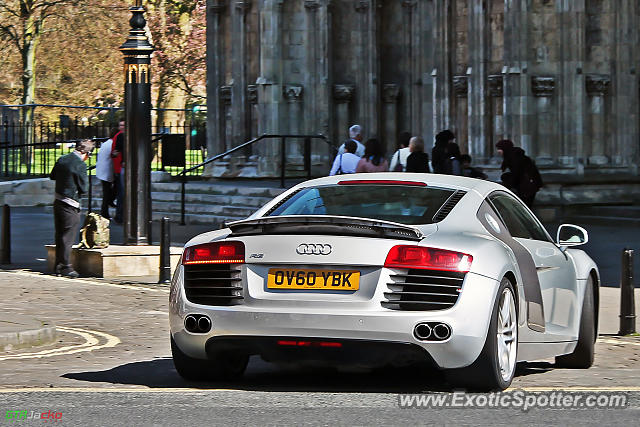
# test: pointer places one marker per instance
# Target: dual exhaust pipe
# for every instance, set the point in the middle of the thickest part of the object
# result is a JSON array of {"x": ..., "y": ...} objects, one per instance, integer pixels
[
  {"x": 432, "y": 331},
  {"x": 197, "y": 323}
]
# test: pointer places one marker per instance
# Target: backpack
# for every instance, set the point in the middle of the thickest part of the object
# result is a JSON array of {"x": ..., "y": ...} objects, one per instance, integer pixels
[{"x": 95, "y": 233}]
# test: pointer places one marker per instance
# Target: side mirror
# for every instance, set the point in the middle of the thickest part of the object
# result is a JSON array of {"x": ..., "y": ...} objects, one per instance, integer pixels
[{"x": 571, "y": 235}]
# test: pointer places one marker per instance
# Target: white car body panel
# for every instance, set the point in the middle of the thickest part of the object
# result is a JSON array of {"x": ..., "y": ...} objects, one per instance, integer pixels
[{"x": 360, "y": 315}]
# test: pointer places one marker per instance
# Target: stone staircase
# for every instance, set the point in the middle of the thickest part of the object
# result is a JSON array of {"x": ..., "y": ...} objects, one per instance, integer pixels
[{"x": 206, "y": 202}]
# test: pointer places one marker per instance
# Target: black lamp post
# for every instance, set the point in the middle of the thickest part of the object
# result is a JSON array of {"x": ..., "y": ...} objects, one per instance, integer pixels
[{"x": 137, "y": 150}]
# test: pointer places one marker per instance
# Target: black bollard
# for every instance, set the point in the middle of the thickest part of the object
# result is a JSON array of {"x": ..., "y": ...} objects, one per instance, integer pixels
[
  {"x": 627, "y": 297},
  {"x": 5, "y": 257},
  {"x": 165, "y": 252}
]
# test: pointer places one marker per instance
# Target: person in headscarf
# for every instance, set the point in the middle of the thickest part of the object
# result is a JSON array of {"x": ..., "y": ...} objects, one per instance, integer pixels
[
  {"x": 445, "y": 155},
  {"x": 520, "y": 173}
]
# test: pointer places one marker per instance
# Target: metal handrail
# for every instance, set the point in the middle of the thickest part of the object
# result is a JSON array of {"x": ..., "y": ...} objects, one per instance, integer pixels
[{"x": 283, "y": 158}]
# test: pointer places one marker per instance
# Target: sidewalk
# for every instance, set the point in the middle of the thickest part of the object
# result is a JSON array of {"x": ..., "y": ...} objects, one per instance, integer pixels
[{"x": 32, "y": 229}]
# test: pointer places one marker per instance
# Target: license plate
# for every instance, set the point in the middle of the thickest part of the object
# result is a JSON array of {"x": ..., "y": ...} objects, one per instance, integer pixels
[{"x": 334, "y": 280}]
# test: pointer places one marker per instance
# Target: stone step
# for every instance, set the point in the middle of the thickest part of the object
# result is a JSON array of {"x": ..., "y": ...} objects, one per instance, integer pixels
[
  {"x": 215, "y": 199},
  {"x": 192, "y": 210},
  {"x": 214, "y": 188},
  {"x": 215, "y": 221}
]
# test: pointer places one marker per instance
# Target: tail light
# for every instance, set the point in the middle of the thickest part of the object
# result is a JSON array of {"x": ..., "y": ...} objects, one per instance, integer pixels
[
  {"x": 214, "y": 253},
  {"x": 406, "y": 256}
]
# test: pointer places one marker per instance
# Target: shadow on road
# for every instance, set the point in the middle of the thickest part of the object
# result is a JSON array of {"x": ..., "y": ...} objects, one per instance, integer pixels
[{"x": 262, "y": 376}]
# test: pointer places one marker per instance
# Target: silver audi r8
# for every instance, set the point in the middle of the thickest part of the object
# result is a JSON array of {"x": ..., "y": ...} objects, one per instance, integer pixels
[{"x": 386, "y": 268}]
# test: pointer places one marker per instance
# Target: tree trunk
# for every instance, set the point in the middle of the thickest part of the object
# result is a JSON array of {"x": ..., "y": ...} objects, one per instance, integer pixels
[{"x": 31, "y": 38}]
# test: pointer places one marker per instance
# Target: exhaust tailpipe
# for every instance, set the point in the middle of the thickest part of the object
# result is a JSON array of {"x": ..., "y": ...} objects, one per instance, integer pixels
[
  {"x": 191, "y": 323},
  {"x": 422, "y": 331},
  {"x": 204, "y": 324},
  {"x": 442, "y": 331}
]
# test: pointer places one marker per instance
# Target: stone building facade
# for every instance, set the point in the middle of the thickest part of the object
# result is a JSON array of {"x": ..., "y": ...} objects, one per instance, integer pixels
[{"x": 558, "y": 77}]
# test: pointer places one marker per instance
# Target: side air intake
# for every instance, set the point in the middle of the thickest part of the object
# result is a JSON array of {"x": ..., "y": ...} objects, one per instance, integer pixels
[{"x": 448, "y": 206}]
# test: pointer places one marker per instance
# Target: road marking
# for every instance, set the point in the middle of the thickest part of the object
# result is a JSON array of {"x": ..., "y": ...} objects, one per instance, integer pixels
[
  {"x": 578, "y": 388},
  {"x": 92, "y": 342},
  {"x": 86, "y": 281},
  {"x": 111, "y": 390}
]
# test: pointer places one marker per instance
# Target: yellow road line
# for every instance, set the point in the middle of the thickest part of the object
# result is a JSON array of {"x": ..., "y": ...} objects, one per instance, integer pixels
[
  {"x": 110, "y": 390},
  {"x": 91, "y": 343},
  {"x": 86, "y": 281}
]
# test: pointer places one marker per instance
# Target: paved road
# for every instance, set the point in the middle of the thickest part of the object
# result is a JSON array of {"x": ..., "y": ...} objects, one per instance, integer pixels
[{"x": 112, "y": 364}]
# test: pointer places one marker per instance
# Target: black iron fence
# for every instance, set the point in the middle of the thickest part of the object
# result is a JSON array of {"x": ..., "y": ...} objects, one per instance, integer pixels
[{"x": 31, "y": 149}]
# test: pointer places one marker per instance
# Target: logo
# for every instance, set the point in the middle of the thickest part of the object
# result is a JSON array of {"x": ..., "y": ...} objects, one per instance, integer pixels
[{"x": 313, "y": 249}]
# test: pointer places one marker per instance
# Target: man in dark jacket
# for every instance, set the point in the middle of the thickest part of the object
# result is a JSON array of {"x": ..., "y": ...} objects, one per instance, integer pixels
[
  {"x": 70, "y": 175},
  {"x": 523, "y": 177}
]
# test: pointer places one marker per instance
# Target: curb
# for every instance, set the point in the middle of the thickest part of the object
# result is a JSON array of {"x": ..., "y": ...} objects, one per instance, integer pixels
[{"x": 26, "y": 335}]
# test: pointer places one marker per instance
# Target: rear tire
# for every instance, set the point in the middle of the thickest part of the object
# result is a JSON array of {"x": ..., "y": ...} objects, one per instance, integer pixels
[
  {"x": 495, "y": 367},
  {"x": 582, "y": 356},
  {"x": 223, "y": 366}
]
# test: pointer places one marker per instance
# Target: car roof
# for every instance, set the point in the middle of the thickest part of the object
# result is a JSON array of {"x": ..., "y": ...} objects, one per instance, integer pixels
[{"x": 481, "y": 187}]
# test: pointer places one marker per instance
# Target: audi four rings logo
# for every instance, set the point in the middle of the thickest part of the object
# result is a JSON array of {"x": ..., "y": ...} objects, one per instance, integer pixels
[{"x": 313, "y": 249}]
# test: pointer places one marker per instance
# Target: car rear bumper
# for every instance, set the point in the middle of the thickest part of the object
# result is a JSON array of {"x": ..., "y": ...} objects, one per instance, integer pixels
[{"x": 468, "y": 319}]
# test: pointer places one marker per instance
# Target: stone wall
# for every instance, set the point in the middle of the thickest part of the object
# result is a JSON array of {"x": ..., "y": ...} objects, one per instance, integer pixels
[{"x": 559, "y": 77}]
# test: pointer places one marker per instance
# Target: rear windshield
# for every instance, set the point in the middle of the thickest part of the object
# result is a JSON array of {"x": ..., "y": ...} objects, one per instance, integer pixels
[{"x": 397, "y": 203}]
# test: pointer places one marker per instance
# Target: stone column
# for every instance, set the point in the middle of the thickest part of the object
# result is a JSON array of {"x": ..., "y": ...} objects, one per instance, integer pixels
[
  {"x": 571, "y": 100},
  {"x": 239, "y": 110},
  {"x": 269, "y": 82},
  {"x": 390, "y": 93},
  {"x": 293, "y": 96},
  {"x": 624, "y": 86},
  {"x": 342, "y": 96},
  {"x": 425, "y": 53},
  {"x": 367, "y": 96},
  {"x": 215, "y": 79},
  {"x": 477, "y": 97},
  {"x": 496, "y": 86},
  {"x": 543, "y": 88},
  {"x": 252, "y": 99},
  {"x": 411, "y": 93},
  {"x": 516, "y": 99},
  {"x": 317, "y": 78},
  {"x": 597, "y": 86},
  {"x": 460, "y": 114},
  {"x": 442, "y": 76}
]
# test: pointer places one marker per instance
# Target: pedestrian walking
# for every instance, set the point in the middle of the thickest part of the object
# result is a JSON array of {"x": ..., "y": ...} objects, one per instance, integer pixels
[
  {"x": 418, "y": 160},
  {"x": 373, "y": 159},
  {"x": 104, "y": 172},
  {"x": 347, "y": 161},
  {"x": 72, "y": 182},
  {"x": 520, "y": 173},
  {"x": 399, "y": 158},
  {"x": 355, "y": 134}
]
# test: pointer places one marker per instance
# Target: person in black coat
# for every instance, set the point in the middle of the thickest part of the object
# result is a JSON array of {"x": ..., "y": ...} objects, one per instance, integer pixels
[
  {"x": 440, "y": 152},
  {"x": 520, "y": 173},
  {"x": 72, "y": 182},
  {"x": 418, "y": 160}
]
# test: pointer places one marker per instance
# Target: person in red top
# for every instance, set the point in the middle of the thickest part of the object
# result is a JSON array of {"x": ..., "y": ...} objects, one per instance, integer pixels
[{"x": 117, "y": 156}]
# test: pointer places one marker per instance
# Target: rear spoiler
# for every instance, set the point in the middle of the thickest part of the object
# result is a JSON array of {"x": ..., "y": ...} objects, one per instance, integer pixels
[{"x": 324, "y": 224}]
